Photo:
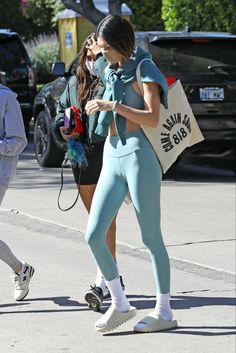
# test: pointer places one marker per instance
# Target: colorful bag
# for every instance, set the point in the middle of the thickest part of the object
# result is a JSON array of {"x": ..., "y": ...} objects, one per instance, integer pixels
[{"x": 76, "y": 148}]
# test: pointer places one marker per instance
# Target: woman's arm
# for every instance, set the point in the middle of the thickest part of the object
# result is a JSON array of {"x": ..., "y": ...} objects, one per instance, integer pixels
[
  {"x": 14, "y": 140},
  {"x": 149, "y": 116}
]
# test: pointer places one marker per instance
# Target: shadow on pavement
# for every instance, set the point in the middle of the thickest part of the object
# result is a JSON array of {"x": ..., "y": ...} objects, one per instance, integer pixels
[
  {"x": 179, "y": 302},
  {"x": 189, "y": 170},
  {"x": 186, "y": 330},
  {"x": 61, "y": 301}
]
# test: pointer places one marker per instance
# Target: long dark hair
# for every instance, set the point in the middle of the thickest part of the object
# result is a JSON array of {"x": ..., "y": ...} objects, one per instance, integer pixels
[
  {"x": 86, "y": 82},
  {"x": 117, "y": 32}
]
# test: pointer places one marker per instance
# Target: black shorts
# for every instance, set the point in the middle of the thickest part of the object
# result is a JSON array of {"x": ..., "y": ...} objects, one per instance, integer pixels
[{"x": 90, "y": 174}]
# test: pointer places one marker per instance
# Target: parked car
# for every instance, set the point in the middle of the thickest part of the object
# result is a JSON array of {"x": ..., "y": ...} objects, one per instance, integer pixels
[
  {"x": 18, "y": 72},
  {"x": 205, "y": 63}
]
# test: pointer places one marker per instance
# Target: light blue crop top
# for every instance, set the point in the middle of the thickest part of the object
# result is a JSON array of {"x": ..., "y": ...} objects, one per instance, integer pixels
[
  {"x": 119, "y": 88},
  {"x": 132, "y": 98}
]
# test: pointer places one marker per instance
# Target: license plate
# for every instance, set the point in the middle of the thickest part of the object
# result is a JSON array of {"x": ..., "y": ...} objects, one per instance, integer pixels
[{"x": 212, "y": 94}]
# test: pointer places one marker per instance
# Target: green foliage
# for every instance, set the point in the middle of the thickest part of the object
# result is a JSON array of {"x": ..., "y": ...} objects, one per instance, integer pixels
[
  {"x": 200, "y": 15},
  {"x": 12, "y": 17},
  {"x": 44, "y": 51},
  {"x": 146, "y": 14},
  {"x": 43, "y": 12}
]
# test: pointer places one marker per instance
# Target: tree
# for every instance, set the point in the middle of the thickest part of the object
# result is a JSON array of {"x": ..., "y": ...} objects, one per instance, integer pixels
[
  {"x": 43, "y": 12},
  {"x": 11, "y": 17},
  {"x": 147, "y": 15},
  {"x": 87, "y": 9}
]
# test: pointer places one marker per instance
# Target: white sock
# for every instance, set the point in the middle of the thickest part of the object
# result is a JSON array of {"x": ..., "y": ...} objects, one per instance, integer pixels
[
  {"x": 162, "y": 308},
  {"x": 100, "y": 282},
  {"x": 22, "y": 269},
  {"x": 119, "y": 300}
]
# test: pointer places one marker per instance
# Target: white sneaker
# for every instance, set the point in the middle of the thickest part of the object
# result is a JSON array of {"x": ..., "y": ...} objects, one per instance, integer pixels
[{"x": 22, "y": 282}]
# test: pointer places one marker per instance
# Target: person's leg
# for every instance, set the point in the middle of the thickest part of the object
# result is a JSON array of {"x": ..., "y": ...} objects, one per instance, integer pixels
[
  {"x": 86, "y": 180},
  {"x": 86, "y": 193},
  {"x": 7, "y": 256},
  {"x": 23, "y": 272},
  {"x": 109, "y": 195},
  {"x": 3, "y": 190},
  {"x": 5, "y": 252},
  {"x": 144, "y": 181}
]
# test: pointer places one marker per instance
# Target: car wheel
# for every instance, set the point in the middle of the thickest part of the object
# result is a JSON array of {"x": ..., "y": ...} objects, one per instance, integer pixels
[{"x": 46, "y": 151}]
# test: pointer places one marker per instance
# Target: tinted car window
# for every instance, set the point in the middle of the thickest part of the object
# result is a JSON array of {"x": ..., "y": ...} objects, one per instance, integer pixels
[
  {"x": 11, "y": 53},
  {"x": 193, "y": 56}
]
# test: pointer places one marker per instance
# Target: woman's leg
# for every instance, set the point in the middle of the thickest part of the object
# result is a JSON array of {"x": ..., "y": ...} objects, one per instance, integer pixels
[
  {"x": 144, "y": 181},
  {"x": 86, "y": 193},
  {"x": 108, "y": 197}
]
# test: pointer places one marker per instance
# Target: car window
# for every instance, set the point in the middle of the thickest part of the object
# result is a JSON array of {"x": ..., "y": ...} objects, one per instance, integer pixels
[
  {"x": 143, "y": 42},
  {"x": 11, "y": 53},
  {"x": 194, "y": 55}
]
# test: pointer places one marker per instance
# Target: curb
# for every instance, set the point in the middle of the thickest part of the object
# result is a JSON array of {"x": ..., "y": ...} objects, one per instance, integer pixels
[{"x": 41, "y": 225}]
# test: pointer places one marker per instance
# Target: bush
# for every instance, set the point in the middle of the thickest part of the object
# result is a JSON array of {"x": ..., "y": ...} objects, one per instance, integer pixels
[
  {"x": 200, "y": 15},
  {"x": 146, "y": 15},
  {"x": 44, "y": 51}
]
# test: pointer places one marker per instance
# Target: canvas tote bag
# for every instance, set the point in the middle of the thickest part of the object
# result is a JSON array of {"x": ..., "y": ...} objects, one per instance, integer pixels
[{"x": 177, "y": 128}]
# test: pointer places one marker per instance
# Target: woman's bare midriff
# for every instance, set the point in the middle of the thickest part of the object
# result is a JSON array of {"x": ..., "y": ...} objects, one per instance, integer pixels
[{"x": 130, "y": 126}]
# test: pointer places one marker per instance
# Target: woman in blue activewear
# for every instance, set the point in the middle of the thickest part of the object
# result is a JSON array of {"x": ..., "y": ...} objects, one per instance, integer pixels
[{"x": 129, "y": 165}]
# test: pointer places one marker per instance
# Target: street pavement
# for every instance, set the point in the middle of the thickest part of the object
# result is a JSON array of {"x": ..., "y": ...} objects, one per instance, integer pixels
[{"x": 198, "y": 223}]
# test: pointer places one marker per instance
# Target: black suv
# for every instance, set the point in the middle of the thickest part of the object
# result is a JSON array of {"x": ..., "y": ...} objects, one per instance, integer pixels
[
  {"x": 18, "y": 72},
  {"x": 205, "y": 63}
]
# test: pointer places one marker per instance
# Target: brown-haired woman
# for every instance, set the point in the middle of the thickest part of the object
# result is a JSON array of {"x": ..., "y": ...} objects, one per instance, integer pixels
[
  {"x": 129, "y": 165},
  {"x": 82, "y": 87}
]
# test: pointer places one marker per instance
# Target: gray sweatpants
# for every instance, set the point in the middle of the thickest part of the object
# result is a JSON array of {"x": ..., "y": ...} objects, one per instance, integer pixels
[
  {"x": 5, "y": 252},
  {"x": 3, "y": 190}
]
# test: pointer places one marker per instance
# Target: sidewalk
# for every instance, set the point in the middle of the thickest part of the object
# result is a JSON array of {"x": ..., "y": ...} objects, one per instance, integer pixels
[
  {"x": 198, "y": 217},
  {"x": 54, "y": 318},
  {"x": 198, "y": 220}
]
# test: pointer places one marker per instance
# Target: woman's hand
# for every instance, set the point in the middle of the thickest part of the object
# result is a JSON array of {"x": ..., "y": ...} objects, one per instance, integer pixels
[
  {"x": 96, "y": 105},
  {"x": 92, "y": 46}
]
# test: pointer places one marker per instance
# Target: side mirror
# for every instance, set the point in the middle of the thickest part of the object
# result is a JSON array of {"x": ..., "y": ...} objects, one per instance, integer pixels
[{"x": 58, "y": 69}]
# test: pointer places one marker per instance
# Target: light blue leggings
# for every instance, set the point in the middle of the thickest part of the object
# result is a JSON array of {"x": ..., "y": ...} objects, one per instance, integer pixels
[{"x": 133, "y": 167}]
